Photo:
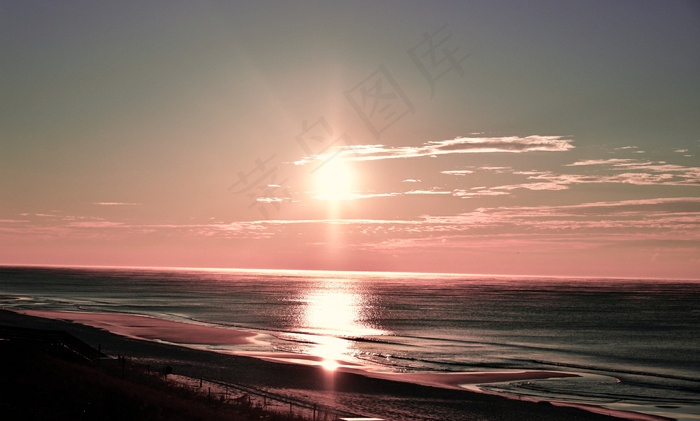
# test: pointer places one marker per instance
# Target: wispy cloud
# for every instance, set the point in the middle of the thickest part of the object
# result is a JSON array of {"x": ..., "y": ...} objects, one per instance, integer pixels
[
  {"x": 116, "y": 204},
  {"x": 265, "y": 222},
  {"x": 114, "y": 229},
  {"x": 472, "y": 170},
  {"x": 686, "y": 152},
  {"x": 360, "y": 196},
  {"x": 677, "y": 216},
  {"x": 460, "y": 145},
  {"x": 612, "y": 171},
  {"x": 589, "y": 162},
  {"x": 457, "y": 172},
  {"x": 353, "y": 196},
  {"x": 477, "y": 192},
  {"x": 662, "y": 219},
  {"x": 644, "y": 173},
  {"x": 499, "y": 170},
  {"x": 95, "y": 224},
  {"x": 428, "y": 192}
]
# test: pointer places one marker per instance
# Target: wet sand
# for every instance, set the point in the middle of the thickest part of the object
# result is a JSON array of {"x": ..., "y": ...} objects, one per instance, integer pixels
[
  {"x": 150, "y": 328},
  {"x": 429, "y": 396},
  {"x": 455, "y": 380},
  {"x": 179, "y": 333}
]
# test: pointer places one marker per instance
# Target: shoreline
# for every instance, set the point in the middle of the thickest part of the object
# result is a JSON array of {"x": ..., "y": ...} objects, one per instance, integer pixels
[
  {"x": 182, "y": 334},
  {"x": 150, "y": 328}
]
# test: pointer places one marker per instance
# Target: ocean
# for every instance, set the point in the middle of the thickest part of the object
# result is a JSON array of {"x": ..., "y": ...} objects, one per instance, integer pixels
[{"x": 635, "y": 342}]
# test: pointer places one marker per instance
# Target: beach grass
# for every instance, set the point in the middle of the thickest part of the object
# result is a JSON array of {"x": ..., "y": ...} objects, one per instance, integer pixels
[{"x": 37, "y": 385}]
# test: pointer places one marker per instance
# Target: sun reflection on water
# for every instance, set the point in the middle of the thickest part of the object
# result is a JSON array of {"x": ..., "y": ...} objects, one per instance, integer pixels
[{"x": 335, "y": 312}]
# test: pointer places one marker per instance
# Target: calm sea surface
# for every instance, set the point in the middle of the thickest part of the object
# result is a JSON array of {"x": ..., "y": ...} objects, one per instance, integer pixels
[{"x": 636, "y": 341}]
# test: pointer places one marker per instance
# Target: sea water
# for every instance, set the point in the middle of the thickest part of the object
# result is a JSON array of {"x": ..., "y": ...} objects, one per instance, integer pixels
[{"x": 635, "y": 342}]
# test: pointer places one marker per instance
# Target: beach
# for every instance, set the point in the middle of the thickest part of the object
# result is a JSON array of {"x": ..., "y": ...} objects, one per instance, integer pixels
[
  {"x": 350, "y": 341},
  {"x": 395, "y": 396}
]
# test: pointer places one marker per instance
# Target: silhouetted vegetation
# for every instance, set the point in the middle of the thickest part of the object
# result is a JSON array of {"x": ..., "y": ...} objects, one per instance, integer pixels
[{"x": 38, "y": 386}]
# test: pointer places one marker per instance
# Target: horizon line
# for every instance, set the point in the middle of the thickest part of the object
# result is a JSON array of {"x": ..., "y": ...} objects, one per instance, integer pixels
[{"x": 237, "y": 269}]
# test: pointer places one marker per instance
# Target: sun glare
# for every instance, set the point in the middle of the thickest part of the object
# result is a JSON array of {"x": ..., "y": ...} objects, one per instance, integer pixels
[
  {"x": 330, "y": 365},
  {"x": 334, "y": 180},
  {"x": 334, "y": 313}
]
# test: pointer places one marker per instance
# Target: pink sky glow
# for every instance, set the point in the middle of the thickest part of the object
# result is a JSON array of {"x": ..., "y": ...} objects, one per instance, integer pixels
[{"x": 296, "y": 135}]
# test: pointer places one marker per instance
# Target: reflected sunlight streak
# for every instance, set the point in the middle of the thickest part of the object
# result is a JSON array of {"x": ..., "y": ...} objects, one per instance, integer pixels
[{"x": 335, "y": 312}]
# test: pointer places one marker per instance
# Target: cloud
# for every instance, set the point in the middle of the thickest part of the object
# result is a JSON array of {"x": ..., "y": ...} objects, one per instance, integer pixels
[
  {"x": 411, "y": 180},
  {"x": 586, "y": 225},
  {"x": 669, "y": 204},
  {"x": 427, "y": 192},
  {"x": 499, "y": 170},
  {"x": 337, "y": 221},
  {"x": 457, "y": 172},
  {"x": 598, "y": 162},
  {"x": 612, "y": 171},
  {"x": 534, "y": 186},
  {"x": 662, "y": 167},
  {"x": 116, "y": 204},
  {"x": 95, "y": 224},
  {"x": 505, "y": 190},
  {"x": 673, "y": 216},
  {"x": 620, "y": 171},
  {"x": 460, "y": 145},
  {"x": 358, "y": 196},
  {"x": 354, "y": 196},
  {"x": 477, "y": 192},
  {"x": 500, "y": 144}
]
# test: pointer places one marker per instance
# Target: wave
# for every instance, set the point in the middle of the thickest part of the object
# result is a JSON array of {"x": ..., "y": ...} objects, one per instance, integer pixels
[
  {"x": 599, "y": 388},
  {"x": 618, "y": 371}
]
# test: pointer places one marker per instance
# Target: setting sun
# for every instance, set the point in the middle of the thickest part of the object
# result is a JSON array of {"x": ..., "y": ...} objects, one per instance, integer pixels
[
  {"x": 334, "y": 180},
  {"x": 336, "y": 210}
]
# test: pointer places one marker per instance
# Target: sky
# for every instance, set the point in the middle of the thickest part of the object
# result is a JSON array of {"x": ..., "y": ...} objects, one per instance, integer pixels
[{"x": 553, "y": 138}]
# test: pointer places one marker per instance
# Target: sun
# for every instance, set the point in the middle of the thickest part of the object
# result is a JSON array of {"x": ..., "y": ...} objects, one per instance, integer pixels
[{"x": 334, "y": 180}]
